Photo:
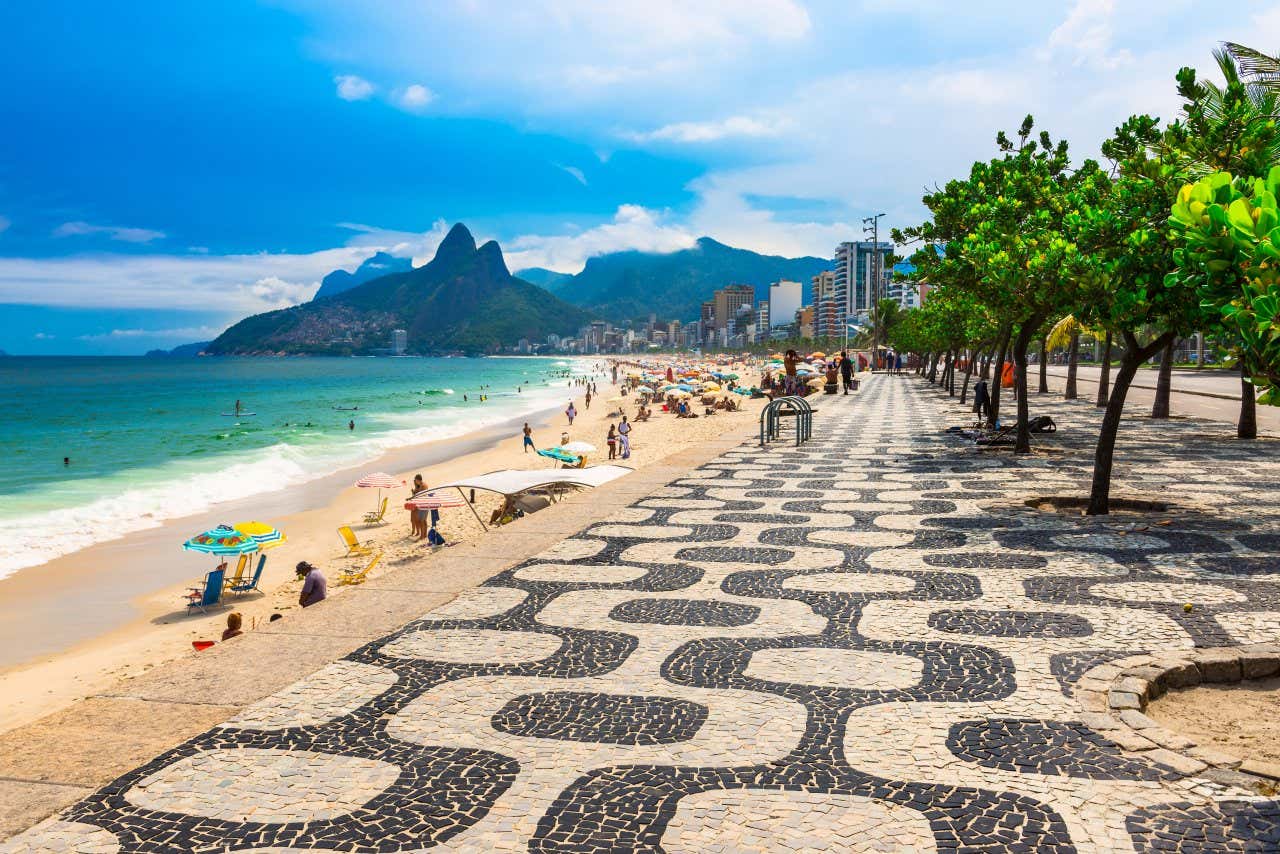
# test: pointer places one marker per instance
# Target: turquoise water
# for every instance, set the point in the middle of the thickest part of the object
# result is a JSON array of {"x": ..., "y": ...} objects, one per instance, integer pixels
[{"x": 147, "y": 439}]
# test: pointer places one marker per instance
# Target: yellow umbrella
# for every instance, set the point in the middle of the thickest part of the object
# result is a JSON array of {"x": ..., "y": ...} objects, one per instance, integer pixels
[
  {"x": 266, "y": 536},
  {"x": 711, "y": 387}
]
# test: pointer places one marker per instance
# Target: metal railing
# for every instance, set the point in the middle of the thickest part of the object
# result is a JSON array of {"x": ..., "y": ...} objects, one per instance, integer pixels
[{"x": 794, "y": 408}]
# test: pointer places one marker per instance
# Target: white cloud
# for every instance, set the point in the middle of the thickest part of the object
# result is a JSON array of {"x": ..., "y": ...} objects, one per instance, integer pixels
[
  {"x": 44, "y": 336},
  {"x": 578, "y": 174},
  {"x": 712, "y": 131},
  {"x": 418, "y": 246},
  {"x": 126, "y": 235},
  {"x": 5, "y": 223},
  {"x": 353, "y": 88},
  {"x": 186, "y": 333},
  {"x": 415, "y": 97},
  {"x": 236, "y": 284},
  {"x": 632, "y": 227},
  {"x": 1086, "y": 36}
]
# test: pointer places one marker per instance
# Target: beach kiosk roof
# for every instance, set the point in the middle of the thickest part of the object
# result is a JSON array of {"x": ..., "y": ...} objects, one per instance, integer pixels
[{"x": 515, "y": 481}]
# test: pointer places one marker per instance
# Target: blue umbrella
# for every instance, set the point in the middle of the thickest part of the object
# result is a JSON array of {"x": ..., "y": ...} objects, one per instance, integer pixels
[{"x": 222, "y": 540}]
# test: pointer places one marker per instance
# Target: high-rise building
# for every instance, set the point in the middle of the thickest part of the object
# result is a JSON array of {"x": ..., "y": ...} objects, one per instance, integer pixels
[
  {"x": 784, "y": 299},
  {"x": 862, "y": 276},
  {"x": 728, "y": 300},
  {"x": 762, "y": 318},
  {"x": 399, "y": 341},
  {"x": 804, "y": 322},
  {"x": 823, "y": 302},
  {"x": 706, "y": 321}
]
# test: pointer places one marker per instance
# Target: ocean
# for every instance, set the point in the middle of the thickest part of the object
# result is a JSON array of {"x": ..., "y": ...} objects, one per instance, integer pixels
[{"x": 147, "y": 439}]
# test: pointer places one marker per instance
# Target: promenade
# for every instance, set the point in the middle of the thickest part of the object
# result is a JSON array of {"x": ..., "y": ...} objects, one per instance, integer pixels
[{"x": 868, "y": 643}]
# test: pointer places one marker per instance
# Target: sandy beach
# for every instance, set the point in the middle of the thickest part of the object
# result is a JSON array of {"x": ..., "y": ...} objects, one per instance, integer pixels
[{"x": 82, "y": 622}]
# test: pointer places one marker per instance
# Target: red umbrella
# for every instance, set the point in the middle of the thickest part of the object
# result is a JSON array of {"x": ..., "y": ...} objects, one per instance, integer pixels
[{"x": 378, "y": 480}]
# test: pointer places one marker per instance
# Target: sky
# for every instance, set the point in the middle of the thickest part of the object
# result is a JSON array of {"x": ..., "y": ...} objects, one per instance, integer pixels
[{"x": 168, "y": 168}]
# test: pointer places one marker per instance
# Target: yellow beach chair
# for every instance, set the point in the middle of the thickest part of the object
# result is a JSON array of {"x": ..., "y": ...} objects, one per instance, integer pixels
[
  {"x": 238, "y": 576},
  {"x": 352, "y": 544},
  {"x": 357, "y": 576},
  {"x": 377, "y": 517}
]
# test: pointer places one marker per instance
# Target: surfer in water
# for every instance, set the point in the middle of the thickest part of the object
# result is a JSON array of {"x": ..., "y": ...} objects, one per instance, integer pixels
[
  {"x": 351, "y": 425},
  {"x": 237, "y": 408}
]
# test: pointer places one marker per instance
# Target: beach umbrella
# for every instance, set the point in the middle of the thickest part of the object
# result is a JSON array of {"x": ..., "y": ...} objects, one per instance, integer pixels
[
  {"x": 644, "y": 389},
  {"x": 266, "y": 536},
  {"x": 818, "y": 355},
  {"x": 579, "y": 447},
  {"x": 558, "y": 455},
  {"x": 711, "y": 387},
  {"x": 222, "y": 540},
  {"x": 432, "y": 501},
  {"x": 378, "y": 480}
]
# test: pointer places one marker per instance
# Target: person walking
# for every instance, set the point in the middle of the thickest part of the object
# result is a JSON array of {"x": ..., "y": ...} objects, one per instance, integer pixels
[
  {"x": 588, "y": 398},
  {"x": 624, "y": 438},
  {"x": 571, "y": 413},
  {"x": 846, "y": 371},
  {"x": 528, "y": 437}
]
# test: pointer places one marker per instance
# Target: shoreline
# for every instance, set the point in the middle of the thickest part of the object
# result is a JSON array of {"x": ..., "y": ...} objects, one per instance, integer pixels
[{"x": 88, "y": 619}]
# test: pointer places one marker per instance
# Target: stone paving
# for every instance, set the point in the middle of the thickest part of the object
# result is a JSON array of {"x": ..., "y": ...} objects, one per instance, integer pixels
[{"x": 862, "y": 644}]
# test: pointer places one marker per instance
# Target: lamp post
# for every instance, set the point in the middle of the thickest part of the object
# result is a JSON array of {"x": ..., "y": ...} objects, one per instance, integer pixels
[{"x": 871, "y": 225}]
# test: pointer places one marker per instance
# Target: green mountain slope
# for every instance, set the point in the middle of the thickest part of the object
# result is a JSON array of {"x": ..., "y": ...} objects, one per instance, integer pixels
[
  {"x": 463, "y": 299},
  {"x": 630, "y": 285}
]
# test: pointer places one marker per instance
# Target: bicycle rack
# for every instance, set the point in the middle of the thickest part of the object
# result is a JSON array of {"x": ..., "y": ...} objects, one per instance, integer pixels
[{"x": 786, "y": 407}]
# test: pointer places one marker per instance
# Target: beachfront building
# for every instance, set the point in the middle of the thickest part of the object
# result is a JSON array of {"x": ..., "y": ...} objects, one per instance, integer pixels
[
  {"x": 785, "y": 299},
  {"x": 804, "y": 324},
  {"x": 399, "y": 341},
  {"x": 823, "y": 300},
  {"x": 905, "y": 289},
  {"x": 862, "y": 275},
  {"x": 728, "y": 301},
  {"x": 762, "y": 319}
]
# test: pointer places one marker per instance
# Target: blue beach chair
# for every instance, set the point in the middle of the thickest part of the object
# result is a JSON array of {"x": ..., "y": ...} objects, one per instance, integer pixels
[
  {"x": 209, "y": 594},
  {"x": 245, "y": 585}
]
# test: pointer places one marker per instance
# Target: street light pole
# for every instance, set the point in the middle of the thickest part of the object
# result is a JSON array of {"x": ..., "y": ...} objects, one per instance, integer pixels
[{"x": 871, "y": 225}]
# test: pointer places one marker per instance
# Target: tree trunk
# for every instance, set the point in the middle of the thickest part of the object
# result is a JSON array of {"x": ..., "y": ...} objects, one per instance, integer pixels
[
  {"x": 1104, "y": 374},
  {"x": 995, "y": 385},
  {"x": 1073, "y": 362},
  {"x": 1044, "y": 365},
  {"x": 968, "y": 372},
  {"x": 1199, "y": 349},
  {"x": 1023, "y": 443},
  {"x": 933, "y": 370},
  {"x": 951, "y": 374},
  {"x": 1164, "y": 383},
  {"x": 1104, "y": 453},
  {"x": 1247, "y": 426}
]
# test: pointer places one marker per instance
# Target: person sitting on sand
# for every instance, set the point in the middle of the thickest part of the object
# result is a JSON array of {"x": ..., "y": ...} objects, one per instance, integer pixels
[
  {"x": 234, "y": 621},
  {"x": 314, "y": 586},
  {"x": 504, "y": 514}
]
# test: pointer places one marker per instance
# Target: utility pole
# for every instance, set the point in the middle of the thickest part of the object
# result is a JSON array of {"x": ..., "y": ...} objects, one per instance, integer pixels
[{"x": 871, "y": 225}]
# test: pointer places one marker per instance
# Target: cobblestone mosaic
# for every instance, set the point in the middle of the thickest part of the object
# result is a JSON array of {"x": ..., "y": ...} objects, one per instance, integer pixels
[{"x": 867, "y": 643}]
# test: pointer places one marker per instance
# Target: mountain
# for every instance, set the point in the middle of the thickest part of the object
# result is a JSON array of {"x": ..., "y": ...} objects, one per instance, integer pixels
[
  {"x": 544, "y": 278},
  {"x": 183, "y": 350},
  {"x": 464, "y": 299},
  {"x": 629, "y": 285},
  {"x": 380, "y": 264}
]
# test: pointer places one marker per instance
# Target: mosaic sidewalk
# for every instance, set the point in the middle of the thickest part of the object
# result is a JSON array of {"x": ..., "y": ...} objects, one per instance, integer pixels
[{"x": 850, "y": 646}]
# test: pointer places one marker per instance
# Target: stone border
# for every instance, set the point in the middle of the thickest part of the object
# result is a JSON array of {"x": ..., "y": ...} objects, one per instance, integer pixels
[{"x": 1116, "y": 694}]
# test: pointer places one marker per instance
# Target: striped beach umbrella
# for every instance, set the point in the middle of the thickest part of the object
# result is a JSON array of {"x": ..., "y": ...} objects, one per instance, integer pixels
[
  {"x": 222, "y": 540},
  {"x": 379, "y": 480},
  {"x": 431, "y": 501},
  {"x": 266, "y": 536}
]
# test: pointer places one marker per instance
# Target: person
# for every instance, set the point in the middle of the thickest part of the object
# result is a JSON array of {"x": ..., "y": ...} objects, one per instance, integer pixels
[
  {"x": 588, "y": 398},
  {"x": 564, "y": 437},
  {"x": 314, "y": 586},
  {"x": 571, "y": 413},
  {"x": 981, "y": 399},
  {"x": 234, "y": 621},
  {"x": 351, "y": 425},
  {"x": 612, "y": 441},
  {"x": 897, "y": 363},
  {"x": 528, "y": 437},
  {"x": 624, "y": 438},
  {"x": 846, "y": 371},
  {"x": 417, "y": 517},
  {"x": 789, "y": 361},
  {"x": 66, "y": 461},
  {"x": 831, "y": 378}
]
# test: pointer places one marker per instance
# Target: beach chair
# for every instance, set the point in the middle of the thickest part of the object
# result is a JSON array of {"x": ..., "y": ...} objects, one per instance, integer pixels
[
  {"x": 377, "y": 517},
  {"x": 209, "y": 593},
  {"x": 243, "y": 585},
  {"x": 352, "y": 544},
  {"x": 357, "y": 576},
  {"x": 238, "y": 576}
]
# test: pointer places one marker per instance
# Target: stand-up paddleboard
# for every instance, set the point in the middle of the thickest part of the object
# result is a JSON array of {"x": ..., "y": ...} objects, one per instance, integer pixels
[
  {"x": 238, "y": 414},
  {"x": 346, "y": 408}
]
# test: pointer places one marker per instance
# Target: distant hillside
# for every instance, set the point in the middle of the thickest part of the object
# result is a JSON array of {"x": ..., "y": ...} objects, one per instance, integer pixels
[
  {"x": 183, "y": 350},
  {"x": 464, "y": 299},
  {"x": 380, "y": 264},
  {"x": 630, "y": 285},
  {"x": 544, "y": 278}
]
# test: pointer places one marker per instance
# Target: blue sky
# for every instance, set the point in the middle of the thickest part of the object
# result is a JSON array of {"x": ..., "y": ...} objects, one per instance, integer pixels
[{"x": 166, "y": 168}]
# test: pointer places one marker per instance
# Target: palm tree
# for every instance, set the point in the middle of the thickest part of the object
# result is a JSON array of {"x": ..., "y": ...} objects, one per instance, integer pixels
[{"x": 1260, "y": 69}]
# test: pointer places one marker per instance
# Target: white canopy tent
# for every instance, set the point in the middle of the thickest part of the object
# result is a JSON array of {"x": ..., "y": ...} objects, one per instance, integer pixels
[{"x": 509, "y": 482}]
